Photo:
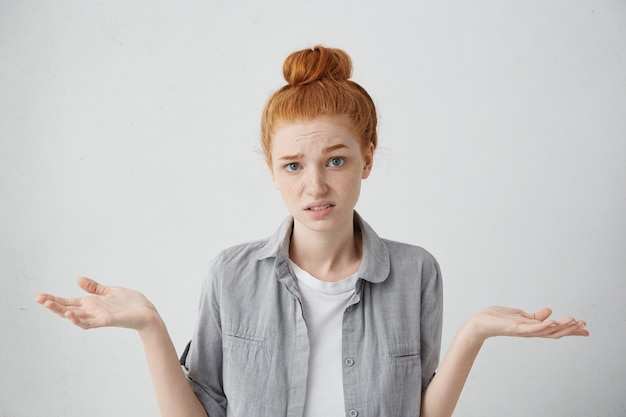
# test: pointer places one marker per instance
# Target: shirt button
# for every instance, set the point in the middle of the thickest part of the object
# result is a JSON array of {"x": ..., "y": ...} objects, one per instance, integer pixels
[
  {"x": 349, "y": 362},
  {"x": 353, "y": 413}
]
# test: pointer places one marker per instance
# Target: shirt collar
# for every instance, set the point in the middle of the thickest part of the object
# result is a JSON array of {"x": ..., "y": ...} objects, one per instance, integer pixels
[{"x": 375, "y": 265}]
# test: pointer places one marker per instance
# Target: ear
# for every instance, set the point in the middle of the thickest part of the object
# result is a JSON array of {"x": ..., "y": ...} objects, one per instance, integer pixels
[{"x": 368, "y": 158}]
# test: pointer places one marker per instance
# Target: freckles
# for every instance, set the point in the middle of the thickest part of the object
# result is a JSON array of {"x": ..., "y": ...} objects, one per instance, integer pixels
[{"x": 293, "y": 188}]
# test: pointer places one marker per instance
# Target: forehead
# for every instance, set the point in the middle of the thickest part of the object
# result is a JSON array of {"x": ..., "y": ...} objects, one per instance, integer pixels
[{"x": 318, "y": 132}]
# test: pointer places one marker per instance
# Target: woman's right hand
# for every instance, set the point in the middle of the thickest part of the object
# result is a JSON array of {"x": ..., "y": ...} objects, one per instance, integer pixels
[
  {"x": 121, "y": 307},
  {"x": 106, "y": 307}
]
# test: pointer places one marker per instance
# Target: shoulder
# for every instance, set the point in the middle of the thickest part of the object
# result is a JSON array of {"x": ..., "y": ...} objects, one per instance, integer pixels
[
  {"x": 414, "y": 265},
  {"x": 238, "y": 256},
  {"x": 402, "y": 261},
  {"x": 242, "y": 250},
  {"x": 237, "y": 270},
  {"x": 408, "y": 253}
]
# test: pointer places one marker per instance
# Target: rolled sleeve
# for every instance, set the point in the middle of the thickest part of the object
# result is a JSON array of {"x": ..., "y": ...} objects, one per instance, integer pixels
[
  {"x": 431, "y": 320},
  {"x": 202, "y": 360}
]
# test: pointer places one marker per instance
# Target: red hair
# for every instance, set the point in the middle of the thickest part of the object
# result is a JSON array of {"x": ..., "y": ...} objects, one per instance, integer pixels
[{"x": 318, "y": 84}]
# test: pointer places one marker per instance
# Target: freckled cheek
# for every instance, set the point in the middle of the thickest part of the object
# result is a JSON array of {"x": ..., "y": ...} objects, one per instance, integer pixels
[
  {"x": 291, "y": 191},
  {"x": 355, "y": 188},
  {"x": 350, "y": 188}
]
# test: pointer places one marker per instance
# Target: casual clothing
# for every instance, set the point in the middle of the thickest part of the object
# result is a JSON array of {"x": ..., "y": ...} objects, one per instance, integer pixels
[
  {"x": 250, "y": 351},
  {"x": 323, "y": 305}
]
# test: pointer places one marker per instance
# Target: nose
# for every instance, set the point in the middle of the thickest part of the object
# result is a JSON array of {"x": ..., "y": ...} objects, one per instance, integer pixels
[{"x": 316, "y": 184}]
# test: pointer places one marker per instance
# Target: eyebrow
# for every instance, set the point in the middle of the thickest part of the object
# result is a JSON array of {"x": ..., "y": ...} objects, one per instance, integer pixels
[
  {"x": 328, "y": 149},
  {"x": 290, "y": 157}
]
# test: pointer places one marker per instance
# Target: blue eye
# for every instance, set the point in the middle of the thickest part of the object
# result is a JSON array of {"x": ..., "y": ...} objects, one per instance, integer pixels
[
  {"x": 293, "y": 166},
  {"x": 336, "y": 162}
]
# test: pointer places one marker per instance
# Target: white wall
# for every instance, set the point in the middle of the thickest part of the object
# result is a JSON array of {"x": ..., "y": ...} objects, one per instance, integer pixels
[{"x": 128, "y": 138}]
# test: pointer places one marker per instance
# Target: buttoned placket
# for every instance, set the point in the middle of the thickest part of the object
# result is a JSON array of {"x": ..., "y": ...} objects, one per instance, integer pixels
[
  {"x": 349, "y": 351},
  {"x": 300, "y": 361},
  {"x": 351, "y": 330}
]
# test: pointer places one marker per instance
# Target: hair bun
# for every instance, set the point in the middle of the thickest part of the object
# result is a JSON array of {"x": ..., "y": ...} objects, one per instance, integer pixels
[{"x": 309, "y": 65}]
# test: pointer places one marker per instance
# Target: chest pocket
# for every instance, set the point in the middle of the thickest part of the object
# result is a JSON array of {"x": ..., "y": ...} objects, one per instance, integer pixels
[
  {"x": 246, "y": 361},
  {"x": 404, "y": 360}
]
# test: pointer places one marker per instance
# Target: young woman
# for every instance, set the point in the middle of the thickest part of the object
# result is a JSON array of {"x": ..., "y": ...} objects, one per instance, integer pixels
[{"x": 324, "y": 318}]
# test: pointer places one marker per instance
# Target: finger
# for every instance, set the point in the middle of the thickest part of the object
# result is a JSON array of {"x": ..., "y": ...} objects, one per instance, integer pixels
[
  {"x": 54, "y": 307},
  {"x": 566, "y": 327},
  {"x": 91, "y": 286},
  {"x": 542, "y": 314},
  {"x": 539, "y": 329},
  {"x": 82, "y": 319},
  {"x": 572, "y": 329},
  {"x": 71, "y": 316},
  {"x": 582, "y": 331},
  {"x": 539, "y": 315},
  {"x": 41, "y": 298},
  {"x": 57, "y": 308},
  {"x": 567, "y": 321}
]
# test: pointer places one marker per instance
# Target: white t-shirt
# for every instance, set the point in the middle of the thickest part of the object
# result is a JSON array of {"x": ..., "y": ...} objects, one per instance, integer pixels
[{"x": 323, "y": 305}]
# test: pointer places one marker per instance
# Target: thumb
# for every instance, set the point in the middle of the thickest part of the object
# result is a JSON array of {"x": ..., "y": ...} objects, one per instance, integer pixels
[
  {"x": 91, "y": 286},
  {"x": 542, "y": 314}
]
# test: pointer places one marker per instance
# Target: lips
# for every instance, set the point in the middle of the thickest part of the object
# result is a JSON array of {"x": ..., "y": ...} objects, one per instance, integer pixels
[{"x": 319, "y": 206}]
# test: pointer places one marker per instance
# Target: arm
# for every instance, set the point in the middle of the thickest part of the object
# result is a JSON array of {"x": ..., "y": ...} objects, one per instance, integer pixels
[
  {"x": 120, "y": 307},
  {"x": 442, "y": 394}
]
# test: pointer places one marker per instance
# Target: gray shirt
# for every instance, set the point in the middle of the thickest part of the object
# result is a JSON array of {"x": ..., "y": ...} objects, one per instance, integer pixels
[{"x": 249, "y": 353}]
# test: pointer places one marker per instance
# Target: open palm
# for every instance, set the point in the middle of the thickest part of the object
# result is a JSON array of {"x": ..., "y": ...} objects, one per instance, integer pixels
[
  {"x": 106, "y": 307},
  {"x": 505, "y": 321}
]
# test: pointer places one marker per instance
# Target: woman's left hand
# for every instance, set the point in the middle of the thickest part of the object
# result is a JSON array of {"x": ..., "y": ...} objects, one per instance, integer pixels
[
  {"x": 505, "y": 321},
  {"x": 443, "y": 392}
]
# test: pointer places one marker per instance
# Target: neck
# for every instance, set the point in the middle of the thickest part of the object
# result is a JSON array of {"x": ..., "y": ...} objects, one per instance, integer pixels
[{"x": 328, "y": 255}]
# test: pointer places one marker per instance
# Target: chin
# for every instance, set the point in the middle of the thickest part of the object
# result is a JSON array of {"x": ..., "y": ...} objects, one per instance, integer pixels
[{"x": 330, "y": 222}]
